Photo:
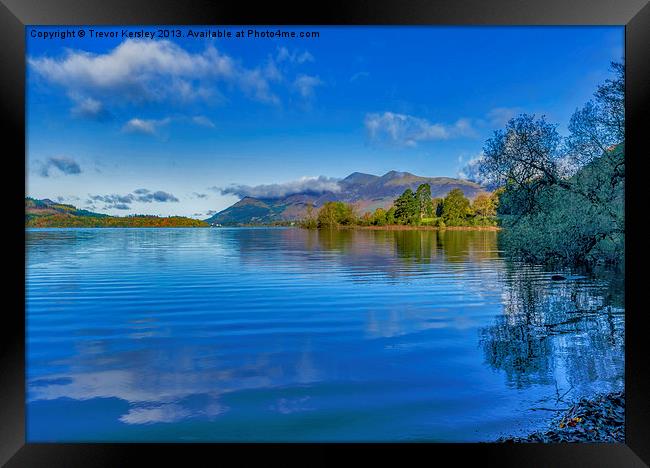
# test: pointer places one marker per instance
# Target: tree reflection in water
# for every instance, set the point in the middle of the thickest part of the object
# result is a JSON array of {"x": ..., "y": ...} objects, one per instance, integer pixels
[
  {"x": 571, "y": 330},
  {"x": 547, "y": 332}
]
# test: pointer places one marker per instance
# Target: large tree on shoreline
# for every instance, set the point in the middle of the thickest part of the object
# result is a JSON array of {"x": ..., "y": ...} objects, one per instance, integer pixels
[
  {"x": 423, "y": 198},
  {"x": 563, "y": 196}
]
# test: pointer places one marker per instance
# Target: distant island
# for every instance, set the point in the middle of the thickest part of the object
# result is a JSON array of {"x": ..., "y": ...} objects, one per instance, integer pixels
[{"x": 47, "y": 213}]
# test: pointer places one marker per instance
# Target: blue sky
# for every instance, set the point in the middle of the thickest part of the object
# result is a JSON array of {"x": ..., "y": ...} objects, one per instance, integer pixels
[{"x": 162, "y": 126}]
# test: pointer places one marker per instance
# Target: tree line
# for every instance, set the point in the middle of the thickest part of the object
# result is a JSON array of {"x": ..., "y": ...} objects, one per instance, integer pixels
[
  {"x": 65, "y": 220},
  {"x": 411, "y": 209}
]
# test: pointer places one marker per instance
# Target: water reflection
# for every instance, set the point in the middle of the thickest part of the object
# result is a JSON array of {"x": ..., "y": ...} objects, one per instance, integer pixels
[
  {"x": 408, "y": 245},
  {"x": 236, "y": 334},
  {"x": 572, "y": 330},
  {"x": 391, "y": 253}
]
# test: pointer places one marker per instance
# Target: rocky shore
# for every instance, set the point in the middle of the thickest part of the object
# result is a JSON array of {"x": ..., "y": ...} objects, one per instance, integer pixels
[{"x": 598, "y": 419}]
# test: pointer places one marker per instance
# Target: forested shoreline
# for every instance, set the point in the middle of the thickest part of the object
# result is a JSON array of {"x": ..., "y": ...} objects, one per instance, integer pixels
[
  {"x": 63, "y": 221},
  {"x": 411, "y": 209},
  {"x": 558, "y": 199}
]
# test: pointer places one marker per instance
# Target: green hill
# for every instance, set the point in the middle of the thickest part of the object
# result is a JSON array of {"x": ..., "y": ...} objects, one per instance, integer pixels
[{"x": 46, "y": 213}]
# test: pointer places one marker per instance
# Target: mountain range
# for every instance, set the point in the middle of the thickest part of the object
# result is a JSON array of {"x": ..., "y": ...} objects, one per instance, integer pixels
[{"x": 366, "y": 191}]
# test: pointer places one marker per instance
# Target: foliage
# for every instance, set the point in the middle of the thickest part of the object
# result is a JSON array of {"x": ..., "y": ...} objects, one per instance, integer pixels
[
  {"x": 411, "y": 208},
  {"x": 584, "y": 224},
  {"x": 310, "y": 221},
  {"x": 390, "y": 216},
  {"x": 423, "y": 199},
  {"x": 46, "y": 213},
  {"x": 65, "y": 220},
  {"x": 455, "y": 208},
  {"x": 562, "y": 198},
  {"x": 484, "y": 205},
  {"x": 379, "y": 217},
  {"x": 334, "y": 214},
  {"x": 406, "y": 208},
  {"x": 436, "y": 207},
  {"x": 484, "y": 209}
]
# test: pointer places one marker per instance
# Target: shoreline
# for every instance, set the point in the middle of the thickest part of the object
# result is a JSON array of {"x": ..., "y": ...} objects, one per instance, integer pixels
[
  {"x": 114, "y": 227},
  {"x": 401, "y": 227},
  {"x": 396, "y": 227},
  {"x": 600, "y": 418}
]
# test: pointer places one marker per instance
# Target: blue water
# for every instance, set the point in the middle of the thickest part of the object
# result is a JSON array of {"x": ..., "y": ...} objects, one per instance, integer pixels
[{"x": 295, "y": 335}]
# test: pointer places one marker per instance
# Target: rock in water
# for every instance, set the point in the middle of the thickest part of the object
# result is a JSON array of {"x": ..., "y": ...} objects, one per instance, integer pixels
[{"x": 557, "y": 278}]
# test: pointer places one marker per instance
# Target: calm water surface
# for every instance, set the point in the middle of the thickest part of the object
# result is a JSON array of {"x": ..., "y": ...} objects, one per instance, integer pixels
[{"x": 295, "y": 335}]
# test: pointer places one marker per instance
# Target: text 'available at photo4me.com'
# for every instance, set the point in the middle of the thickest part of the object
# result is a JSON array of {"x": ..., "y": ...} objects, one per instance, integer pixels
[{"x": 167, "y": 33}]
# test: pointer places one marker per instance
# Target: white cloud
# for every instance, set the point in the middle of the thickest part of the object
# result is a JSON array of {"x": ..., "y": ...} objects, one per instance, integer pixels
[
  {"x": 88, "y": 108},
  {"x": 203, "y": 121},
  {"x": 470, "y": 171},
  {"x": 255, "y": 85},
  {"x": 139, "y": 70},
  {"x": 406, "y": 130},
  {"x": 499, "y": 116},
  {"x": 305, "y": 84},
  {"x": 144, "y": 126},
  {"x": 358, "y": 76},
  {"x": 306, "y": 185},
  {"x": 272, "y": 71},
  {"x": 165, "y": 413},
  {"x": 277, "y": 69},
  {"x": 132, "y": 64},
  {"x": 293, "y": 57}
]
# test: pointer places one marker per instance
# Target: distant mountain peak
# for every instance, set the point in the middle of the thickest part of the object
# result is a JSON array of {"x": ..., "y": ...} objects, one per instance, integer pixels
[
  {"x": 250, "y": 201},
  {"x": 366, "y": 191},
  {"x": 360, "y": 178},
  {"x": 396, "y": 175}
]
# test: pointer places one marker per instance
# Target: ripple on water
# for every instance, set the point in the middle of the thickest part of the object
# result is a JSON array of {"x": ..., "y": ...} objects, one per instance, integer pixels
[{"x": 287, "y": 334}]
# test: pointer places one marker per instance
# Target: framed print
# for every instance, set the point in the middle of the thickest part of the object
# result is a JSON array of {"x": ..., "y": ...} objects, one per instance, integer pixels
[{"x": 382, "y": 227}]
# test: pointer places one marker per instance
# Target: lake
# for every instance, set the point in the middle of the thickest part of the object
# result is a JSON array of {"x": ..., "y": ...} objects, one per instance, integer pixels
[{"x": 282, "y": 334}]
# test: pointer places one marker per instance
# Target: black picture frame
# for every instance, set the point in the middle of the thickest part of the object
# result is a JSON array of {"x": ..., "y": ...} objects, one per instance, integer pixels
[{"x": 16, "y": 14}]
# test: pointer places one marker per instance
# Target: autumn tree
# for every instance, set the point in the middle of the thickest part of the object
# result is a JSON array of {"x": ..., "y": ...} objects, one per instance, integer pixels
[
  {"x": 379, "y": 217},
  {"x": 310, "y": 221},
  {"x": 484, "y": 205},
  {"x": 334, "y": 214}
]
